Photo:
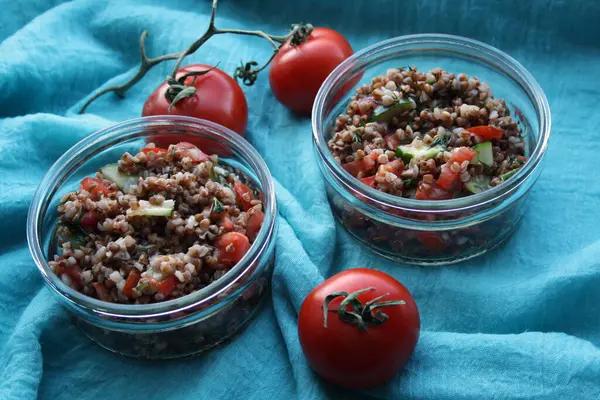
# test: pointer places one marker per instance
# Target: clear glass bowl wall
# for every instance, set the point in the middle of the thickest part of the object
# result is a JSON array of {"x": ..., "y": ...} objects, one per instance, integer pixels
[
  {"x": 432, "y": 232},
  {"x": 174, "y": 328}
]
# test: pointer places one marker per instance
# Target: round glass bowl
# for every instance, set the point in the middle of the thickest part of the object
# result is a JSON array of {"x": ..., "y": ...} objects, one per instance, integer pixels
[
  {"x": 444, "y": 231},
  {"x": 173, "y": 328}
]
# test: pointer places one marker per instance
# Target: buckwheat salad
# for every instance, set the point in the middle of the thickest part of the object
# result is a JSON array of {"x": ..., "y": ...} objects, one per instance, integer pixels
[
  {"x": 155, "y": 226},
  {"x": 428, "y": 135}
]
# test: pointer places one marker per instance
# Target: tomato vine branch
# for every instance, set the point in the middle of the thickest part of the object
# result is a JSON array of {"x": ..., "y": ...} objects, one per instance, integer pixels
[{"x": 146, "y": 64}]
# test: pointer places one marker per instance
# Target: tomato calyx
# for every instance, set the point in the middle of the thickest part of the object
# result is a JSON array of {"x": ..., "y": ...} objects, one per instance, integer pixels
[
  {"x": 178, "y": 90},
  {"x": 361, "y": 315},
  {"x": 300, "y": 32}
]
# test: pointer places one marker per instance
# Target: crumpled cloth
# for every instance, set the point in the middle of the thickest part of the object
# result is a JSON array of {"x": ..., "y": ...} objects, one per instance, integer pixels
[{"x": 522, "y": 321}]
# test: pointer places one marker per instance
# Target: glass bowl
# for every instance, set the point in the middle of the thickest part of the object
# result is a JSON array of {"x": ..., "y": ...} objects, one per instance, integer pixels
[
  {"x": 174, "y": 328},
  {"x": 426, "y": 231}
]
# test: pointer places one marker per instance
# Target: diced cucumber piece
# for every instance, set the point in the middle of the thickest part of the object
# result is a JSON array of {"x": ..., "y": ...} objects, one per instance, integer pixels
[
  {"x": 484, "y": 154},
  {"x": 478, "y": 184},
  {"x": 385, "y": 114},
  {"x": 406, "y": 152},
  {"x": 150, "y": 210},
  {"x": 123, "y": 181},
  {"x": 509, "y": 174}
]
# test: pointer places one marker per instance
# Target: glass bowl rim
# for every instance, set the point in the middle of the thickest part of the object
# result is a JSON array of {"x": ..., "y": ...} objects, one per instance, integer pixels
[
  {"x": 489, "y": 55},
  {"x": 92, "y": 145}
]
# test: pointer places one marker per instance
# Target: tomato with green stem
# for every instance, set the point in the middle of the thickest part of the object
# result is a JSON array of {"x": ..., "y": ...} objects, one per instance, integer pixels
[
  {"x": 358, "y": 328},
  {"x": 298, "y": 70},
  {"x": 217, "y": 98}
]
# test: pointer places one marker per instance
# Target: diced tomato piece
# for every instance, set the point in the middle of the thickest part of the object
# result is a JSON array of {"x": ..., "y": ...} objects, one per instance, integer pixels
[
  {"x": 95, "y": 187},
  {"x": 239, "y": 246},
  {"x": 244, "y": 195},
  {"x": 185, "y": 149},
  {"x": 392, "y": 141},
  {"x": 522, "y": 158},
  {"x": 101, "y": 291},
  {"x": 462, "y": 154},
  {"x": 432, "y": 240},
  {"x": 448, "y": 178},
  {"x": 89, "y": 220},
  {"x": 226, "y": 223},
  {"x": 132, "y": 280},
  {"x": 167, "y": 285},
  {"x": 254, "y": 223},
  {"x": 74, "y": 272},
  {"x": 487, "y": 132},
  {"x": 157, "y": 150},
  {"x": 432, "y": 192},
  {"x": 369, "y": 181},
  {"x": 397, "y": 166},
  {"x": 365, "y": 165}
]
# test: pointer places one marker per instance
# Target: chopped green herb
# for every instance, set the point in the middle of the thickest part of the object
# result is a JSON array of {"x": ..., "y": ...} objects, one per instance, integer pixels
[
  {"x": 408, "y": 183},
  {"x": 441, "y": 140},
  {"x": 357, "y": 138},
  {"x": 217, "y": 206},
  {"x": 363, "y": 123},
  {"x": 141, "y": 287}
]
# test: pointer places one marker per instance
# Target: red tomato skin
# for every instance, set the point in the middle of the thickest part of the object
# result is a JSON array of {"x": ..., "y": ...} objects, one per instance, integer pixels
[
  {"x": 218, "y": 99},
  {"x": 244, "y": 195},
  {"x": 487, "y": 132},
  {"x": 462, "y": 154},
  {"x": 297, "y": 72},
  {"x": 346, "y": 356},
  {"x": 89, "y": 220},
  {"x": 448, "y": 178},
  {"x": 369, "y": 181}
]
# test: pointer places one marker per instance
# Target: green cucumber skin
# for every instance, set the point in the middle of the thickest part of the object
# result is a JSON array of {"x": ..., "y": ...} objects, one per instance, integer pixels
[
  {"x": 385, "y": 114},
  {"x": 510, "y": 174},
  {"x": 123, "y": 181},
  {"x": 484, "y": 154}
]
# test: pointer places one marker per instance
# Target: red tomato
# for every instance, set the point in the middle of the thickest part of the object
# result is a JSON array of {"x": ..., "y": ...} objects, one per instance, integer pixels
[
  {"x": 95, "y": 187},
  {"x": 226, "y": 223},
  {"x": 369, "y": 181},
  {"x": 73, "y": 272},
  {"x": 132, "y": 280},
  {"x": 487, "y": 132},
  {"x": 239, "y": 247},
  {"x": 157, "y": 150},
  {"x": 89, "y": 220},
  {"x": 432, "y": 240},
  {"x": 365, "y": 165},
  {"x": 343, "y": 353},
  {"x": 101, "y": 291},
  {"x": 189, "y": 150},
  {"x": 396, "y": 167},
  {"x": 448, "y": 178},
  {"x": 297, "y": 72},
  {"x": 244, "y": 195},
  {"x": 433, "y": 192},
  {"x": 254, "y": 223},
  {"x": 167, "y": 285},
  {"x": 219, "y": 99},
  {"x": 462, "y": 154}
]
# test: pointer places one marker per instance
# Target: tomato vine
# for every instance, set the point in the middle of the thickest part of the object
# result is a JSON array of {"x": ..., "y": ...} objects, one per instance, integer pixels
[{"x": 247, "y": 72}]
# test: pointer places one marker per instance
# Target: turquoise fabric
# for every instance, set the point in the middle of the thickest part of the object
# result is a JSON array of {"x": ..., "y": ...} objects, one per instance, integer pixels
[{"x": 520, "y": 322}]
